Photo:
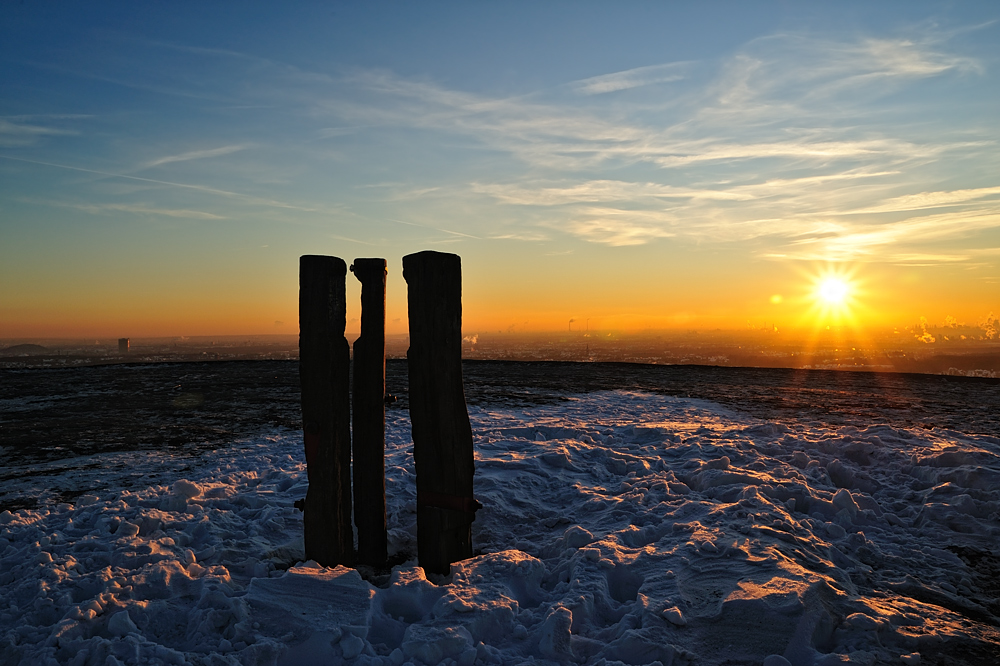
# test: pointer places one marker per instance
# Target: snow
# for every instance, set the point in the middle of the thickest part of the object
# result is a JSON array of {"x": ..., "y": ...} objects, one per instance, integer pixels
[{"x": 617, "y": 528}]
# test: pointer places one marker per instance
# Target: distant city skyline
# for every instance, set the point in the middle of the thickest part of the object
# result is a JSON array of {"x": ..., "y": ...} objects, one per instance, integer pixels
[{"x": 640, "y": 166}]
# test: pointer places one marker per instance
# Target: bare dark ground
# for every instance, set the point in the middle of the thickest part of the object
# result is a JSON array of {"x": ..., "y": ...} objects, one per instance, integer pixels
[{"x": 47, "y": 414}]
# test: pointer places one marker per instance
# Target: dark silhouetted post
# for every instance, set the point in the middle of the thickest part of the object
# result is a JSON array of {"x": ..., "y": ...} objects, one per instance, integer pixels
[
  {"x": 369, "y": 414},
  {"x": 324, "y": 372},
  {"x": 442, "y": 435}
]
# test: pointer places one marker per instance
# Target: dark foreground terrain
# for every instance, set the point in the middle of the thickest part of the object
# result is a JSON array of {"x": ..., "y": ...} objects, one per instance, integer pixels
[
  {"x": 48, "y": 414},
  {"x": 52, "y": 421}
]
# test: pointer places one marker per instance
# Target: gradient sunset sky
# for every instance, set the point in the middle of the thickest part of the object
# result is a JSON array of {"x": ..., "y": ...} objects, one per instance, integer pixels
[{"x": 638, "y": 165}]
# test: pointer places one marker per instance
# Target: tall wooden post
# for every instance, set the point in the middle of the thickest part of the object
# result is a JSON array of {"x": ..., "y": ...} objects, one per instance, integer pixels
[
  {"x": 442, "y": 435},
  {"x": 324, "y": 373},
  {"x": 369, "y": 414}
]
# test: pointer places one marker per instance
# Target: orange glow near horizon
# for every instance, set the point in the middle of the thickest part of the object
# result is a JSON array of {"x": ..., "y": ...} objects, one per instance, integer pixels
[{"x": 559, "y": 296}]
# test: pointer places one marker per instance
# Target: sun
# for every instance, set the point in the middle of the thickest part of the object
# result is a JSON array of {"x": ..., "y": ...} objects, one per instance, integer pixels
[
  {"x": 834, "y": 293},
  {"x": 833, "y": 290},
  {"x": 833, "y": 298}
]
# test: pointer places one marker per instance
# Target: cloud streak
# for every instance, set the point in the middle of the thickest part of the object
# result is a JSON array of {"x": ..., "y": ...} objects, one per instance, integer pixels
[
  {"x": 925, "y": 200},
  {"x": 617, "y": 228},
  {"x": 14, "y": 132},
  {"x": 631, "y": 78},
  {"x": 788, "y": 140},
  {"x": 597, "y": 191},
  {"x": 194, "y": 155},
  {"x": 141, "y": 210},
  {"x": 865, "y": 242},
  {"x": 769, "y": 110},
  {"x": 771, "y": 102},
  {"x": 246, "y": 198}
]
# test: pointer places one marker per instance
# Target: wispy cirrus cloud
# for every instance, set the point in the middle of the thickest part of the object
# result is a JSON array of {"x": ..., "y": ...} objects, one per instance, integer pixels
[
  {"x": 617, "y": 228},
  {"x": 797, "y": 76},
  {"x": 884, "y": 61},
  {"x": 194, "y": 155},
  {"x": 48, "y": 116},
  {"x": 785, "y": 140},
  {"x": 245, "y": 198},
  {"x": 814, "y": 222},
  {"x": 630, "y": 78},
  {"x": 803, "y": 149},
  {"x": 924, "y": 200},
  {"x": 143, "y": 210},
  {"x": 769, "y": 106},
  {"x": 450, "y": 232},
  {"x": 904, "y": 57},
  {"x": 772, "y": 101},
  {"x": 597, "y": 191},
  {"x": 861, "y": 242},
  {"x": 545, "y": 134},
  {"x": 15, "y": 131},
  {"x": 925, "y": 258},
  {"x": 348, "y": 240},
  {"x": 533, "y": 236}
]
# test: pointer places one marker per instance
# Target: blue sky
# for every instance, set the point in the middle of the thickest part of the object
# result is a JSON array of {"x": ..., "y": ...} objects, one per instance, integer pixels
[{"x": 163, "y": 165}]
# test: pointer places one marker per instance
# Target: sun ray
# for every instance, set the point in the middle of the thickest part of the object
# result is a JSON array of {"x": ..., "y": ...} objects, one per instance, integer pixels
[
  {"x": 834, "y": 296},
  {"x": 831, "y": 302}
]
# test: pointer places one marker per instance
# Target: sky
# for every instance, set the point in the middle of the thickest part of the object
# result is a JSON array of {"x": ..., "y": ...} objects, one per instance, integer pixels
[{"x": 625, "y": 166}]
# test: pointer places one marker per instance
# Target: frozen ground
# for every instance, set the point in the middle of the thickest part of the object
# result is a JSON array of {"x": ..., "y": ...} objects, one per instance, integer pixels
[
  {"x": 54, "y": 421},
  {"x": 619, "y": 527}
]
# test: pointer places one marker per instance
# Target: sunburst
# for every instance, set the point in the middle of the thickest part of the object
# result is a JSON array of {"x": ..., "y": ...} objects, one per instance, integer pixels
[{"x": 834, "y": 295}]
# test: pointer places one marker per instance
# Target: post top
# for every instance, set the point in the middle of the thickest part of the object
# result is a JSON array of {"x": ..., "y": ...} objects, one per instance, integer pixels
[
  {"x": 429, "y": 260},
  {"x": 430, "y": 254},
  {"x": 369, "y": 266},
  {"x": 323, "y": 262}
]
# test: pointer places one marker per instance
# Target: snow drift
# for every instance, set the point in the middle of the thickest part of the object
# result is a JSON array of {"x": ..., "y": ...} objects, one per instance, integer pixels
[{"x": 618, "y": 528}]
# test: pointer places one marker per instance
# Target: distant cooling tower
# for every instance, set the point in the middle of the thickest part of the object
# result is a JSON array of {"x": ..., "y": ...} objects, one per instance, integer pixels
[{"x": 122, "y": 345}]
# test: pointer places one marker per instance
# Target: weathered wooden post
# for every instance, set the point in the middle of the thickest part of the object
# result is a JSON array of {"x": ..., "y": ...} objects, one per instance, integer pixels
[
  {"x": 369, "y": 414},
  {"x": 442, "y": 434},
  {"x": 324, "y": 373}
]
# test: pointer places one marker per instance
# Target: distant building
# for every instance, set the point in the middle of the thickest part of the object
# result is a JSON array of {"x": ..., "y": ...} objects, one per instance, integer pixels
[{"x": 122, "y": 345}]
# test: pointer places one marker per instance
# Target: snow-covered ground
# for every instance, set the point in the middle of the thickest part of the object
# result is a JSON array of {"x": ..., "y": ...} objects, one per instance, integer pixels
[{"x": 618, "y": 527}]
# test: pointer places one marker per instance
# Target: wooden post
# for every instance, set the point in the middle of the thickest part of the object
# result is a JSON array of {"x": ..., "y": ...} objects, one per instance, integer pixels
[
  {"x": 324, "y": 372},
  {"x": 442, "y": 435},
  {"x": 369, "y": 414}
]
